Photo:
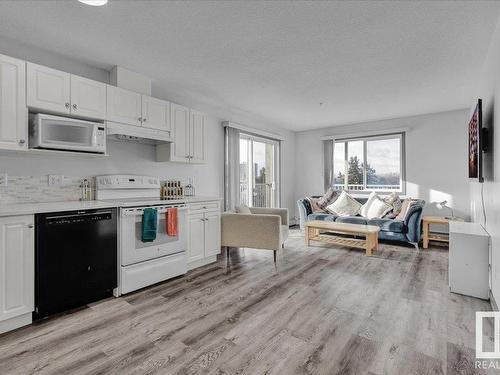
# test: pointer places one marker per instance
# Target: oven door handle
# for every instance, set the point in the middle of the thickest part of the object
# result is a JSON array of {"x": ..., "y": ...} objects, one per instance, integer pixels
[{"x": 140, "y": 211}]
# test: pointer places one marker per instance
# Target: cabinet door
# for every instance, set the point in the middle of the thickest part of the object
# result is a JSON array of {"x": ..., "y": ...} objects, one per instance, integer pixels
[
  {"x": 212, "y": 233},
  {"x": 180, "y": 129},
  {"x": 17, "y": 268},
  {"x": 88, "y": 98},
  {"x": 13, "y": 121},
  {"x": 48, "y": 89},
  {"x": 196, "y": 242},
  {"x": 155, "y": 113},
  {"x": 197, "y": 137},
  {"x": 123, "y": 106}
]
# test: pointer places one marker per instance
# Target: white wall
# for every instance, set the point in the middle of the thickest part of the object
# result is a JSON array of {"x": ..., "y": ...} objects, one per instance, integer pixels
[
  {"x": 436, "y": 147},
  {"x": 489, "y": 91},
  {"x": 135, "y": 158}
]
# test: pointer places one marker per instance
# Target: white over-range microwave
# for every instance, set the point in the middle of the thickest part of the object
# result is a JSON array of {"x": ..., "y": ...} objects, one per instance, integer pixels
[{"x": 63, "y": 133}]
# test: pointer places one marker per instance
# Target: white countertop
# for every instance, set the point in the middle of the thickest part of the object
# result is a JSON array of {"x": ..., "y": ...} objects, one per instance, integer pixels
[
  {"x": 200, "y": 198},
  {"x": 13, "y": 209}
]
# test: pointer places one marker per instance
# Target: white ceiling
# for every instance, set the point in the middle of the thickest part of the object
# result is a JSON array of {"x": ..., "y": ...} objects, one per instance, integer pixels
[{"x": 276, "y": 61}]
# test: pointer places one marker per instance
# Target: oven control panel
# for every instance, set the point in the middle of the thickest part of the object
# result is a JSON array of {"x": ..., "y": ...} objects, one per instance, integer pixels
[{"x": 127, "y": 182}]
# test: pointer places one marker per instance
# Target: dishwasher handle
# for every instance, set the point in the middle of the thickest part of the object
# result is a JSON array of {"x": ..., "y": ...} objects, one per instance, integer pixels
[{"x": 78, "y": 217}]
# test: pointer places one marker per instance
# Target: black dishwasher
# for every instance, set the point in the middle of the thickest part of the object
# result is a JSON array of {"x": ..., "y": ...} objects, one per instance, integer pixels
[{"x": 75, "y": 259}]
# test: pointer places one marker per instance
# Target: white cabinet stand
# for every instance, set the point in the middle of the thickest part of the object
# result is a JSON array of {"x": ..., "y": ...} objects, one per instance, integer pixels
[
  {"x": 468, "y": 259},
  {"x": 204, "y": 233}
]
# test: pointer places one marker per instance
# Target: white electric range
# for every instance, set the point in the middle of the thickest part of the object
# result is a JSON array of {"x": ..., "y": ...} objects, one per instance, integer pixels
[{"x": 144, "y": 263}]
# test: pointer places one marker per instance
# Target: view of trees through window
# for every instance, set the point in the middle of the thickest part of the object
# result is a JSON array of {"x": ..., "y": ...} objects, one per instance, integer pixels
[{"x": 369, "y": 164}]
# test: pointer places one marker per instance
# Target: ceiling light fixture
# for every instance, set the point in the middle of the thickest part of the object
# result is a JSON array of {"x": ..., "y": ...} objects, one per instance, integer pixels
[{"x": 94, "y": 3}]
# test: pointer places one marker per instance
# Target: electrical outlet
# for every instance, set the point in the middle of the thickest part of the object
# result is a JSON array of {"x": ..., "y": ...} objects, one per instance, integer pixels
[
  {"x": 55, "y": 179},
  {"x": 4, "y": 178}
]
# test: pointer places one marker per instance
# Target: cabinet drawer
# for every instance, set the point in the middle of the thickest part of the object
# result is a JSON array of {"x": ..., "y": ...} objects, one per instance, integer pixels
[{"x": 204, "y": 206}]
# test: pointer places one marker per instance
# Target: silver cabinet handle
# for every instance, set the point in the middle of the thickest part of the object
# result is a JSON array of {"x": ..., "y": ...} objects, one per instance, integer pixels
[
  {"x": 22, "y": 141},
  {"x": 140, "y": 119},
  {"x": 144, "y": 119},
  {"x": 31, "y": 226},
  {"x": 66, "y": 105},
  {"x": 75, "y": 106}
]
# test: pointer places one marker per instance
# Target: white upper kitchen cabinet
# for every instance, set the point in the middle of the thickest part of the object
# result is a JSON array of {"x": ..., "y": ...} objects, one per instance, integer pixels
[
  {"x": 180, "y": 130},
  {"x": 155, "y": 113},
  {"x": 48, "y": 89},
  {"x": 13, "y": 113},
  {"x": 197, "y": 137},
  {"x": 17, "y": 270},
  {"x": 188, "y": 133},
  {"x": 88, "y": 98},
  {"x": 54, "y": 91},
  {"x": 123, "y": 106}
]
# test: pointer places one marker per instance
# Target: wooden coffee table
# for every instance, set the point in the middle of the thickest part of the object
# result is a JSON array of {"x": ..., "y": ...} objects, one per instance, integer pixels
[{"x": 369, "y": 232}]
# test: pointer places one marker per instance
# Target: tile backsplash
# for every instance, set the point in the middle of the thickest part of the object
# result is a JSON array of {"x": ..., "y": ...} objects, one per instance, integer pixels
[{"x": 26, "y": 189}]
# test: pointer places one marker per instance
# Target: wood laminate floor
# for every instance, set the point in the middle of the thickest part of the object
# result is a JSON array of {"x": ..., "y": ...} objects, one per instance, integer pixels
[{"x": 325, "y": 310}]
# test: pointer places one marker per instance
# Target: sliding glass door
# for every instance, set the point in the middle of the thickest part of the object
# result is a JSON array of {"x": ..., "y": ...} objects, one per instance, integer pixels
[{"x": 259, "y": 171}]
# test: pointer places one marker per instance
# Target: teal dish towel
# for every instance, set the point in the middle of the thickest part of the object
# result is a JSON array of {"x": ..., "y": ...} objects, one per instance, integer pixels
[{"x": 149, "y": 224}]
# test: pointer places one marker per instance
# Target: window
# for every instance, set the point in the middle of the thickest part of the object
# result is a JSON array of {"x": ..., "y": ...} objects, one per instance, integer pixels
[
  {"x": 259, "y": 171},
  {"x": 369, "y": 163}
]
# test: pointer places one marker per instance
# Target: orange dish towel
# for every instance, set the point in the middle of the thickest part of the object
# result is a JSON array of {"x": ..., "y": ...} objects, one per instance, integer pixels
[{"x": 172, "y": 222}]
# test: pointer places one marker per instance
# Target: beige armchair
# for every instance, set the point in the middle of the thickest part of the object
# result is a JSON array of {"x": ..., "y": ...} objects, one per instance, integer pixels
[{"x": 264, "y": 228}]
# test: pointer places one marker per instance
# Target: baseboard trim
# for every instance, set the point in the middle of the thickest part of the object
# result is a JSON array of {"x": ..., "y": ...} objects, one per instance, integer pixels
[
  {"x": 16, "y": 322},
  {"x": 201, "y": 262},
  {"x": 493, "y": 303}
]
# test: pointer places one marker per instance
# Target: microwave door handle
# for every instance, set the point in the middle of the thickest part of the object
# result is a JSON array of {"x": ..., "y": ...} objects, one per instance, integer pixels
[{"x": 94, "y": 136}]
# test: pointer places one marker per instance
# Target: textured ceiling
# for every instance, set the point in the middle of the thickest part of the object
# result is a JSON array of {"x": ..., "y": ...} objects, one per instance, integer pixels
[{"x": 275, "y": 62}]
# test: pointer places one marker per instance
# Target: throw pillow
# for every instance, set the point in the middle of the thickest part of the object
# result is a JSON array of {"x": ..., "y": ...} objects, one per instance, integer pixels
[
  {"x": 366, "y": 206},
  {"x": 344, "y": 205},
  {"x": 394, "y": 200},
  {"x": 405, "y": 207},
  {"x": 329, "y": 197},
  {"x": 314, "y": 205},
  {"x": 243, "y": 209},
  {"x": 378, "y": 208}
]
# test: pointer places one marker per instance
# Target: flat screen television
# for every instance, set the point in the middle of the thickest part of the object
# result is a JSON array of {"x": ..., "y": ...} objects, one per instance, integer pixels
[{"x": 475, "y": 157}]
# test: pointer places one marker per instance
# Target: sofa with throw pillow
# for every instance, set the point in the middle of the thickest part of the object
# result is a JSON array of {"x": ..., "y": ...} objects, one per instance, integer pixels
[{"x": 399, "y": 220}]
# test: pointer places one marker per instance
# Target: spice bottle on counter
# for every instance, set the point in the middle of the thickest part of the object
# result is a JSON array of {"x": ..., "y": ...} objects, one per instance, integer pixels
[{"x": 85, "y": 190}]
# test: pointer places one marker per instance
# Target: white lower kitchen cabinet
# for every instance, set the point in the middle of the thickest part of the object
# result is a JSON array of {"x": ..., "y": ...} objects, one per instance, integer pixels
[
  {"x": 212, "y": 233},
  {"x": 17, "y": 271},
  {"x": 204, "y": 233},
  {"x": 196, "y": 242}
]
